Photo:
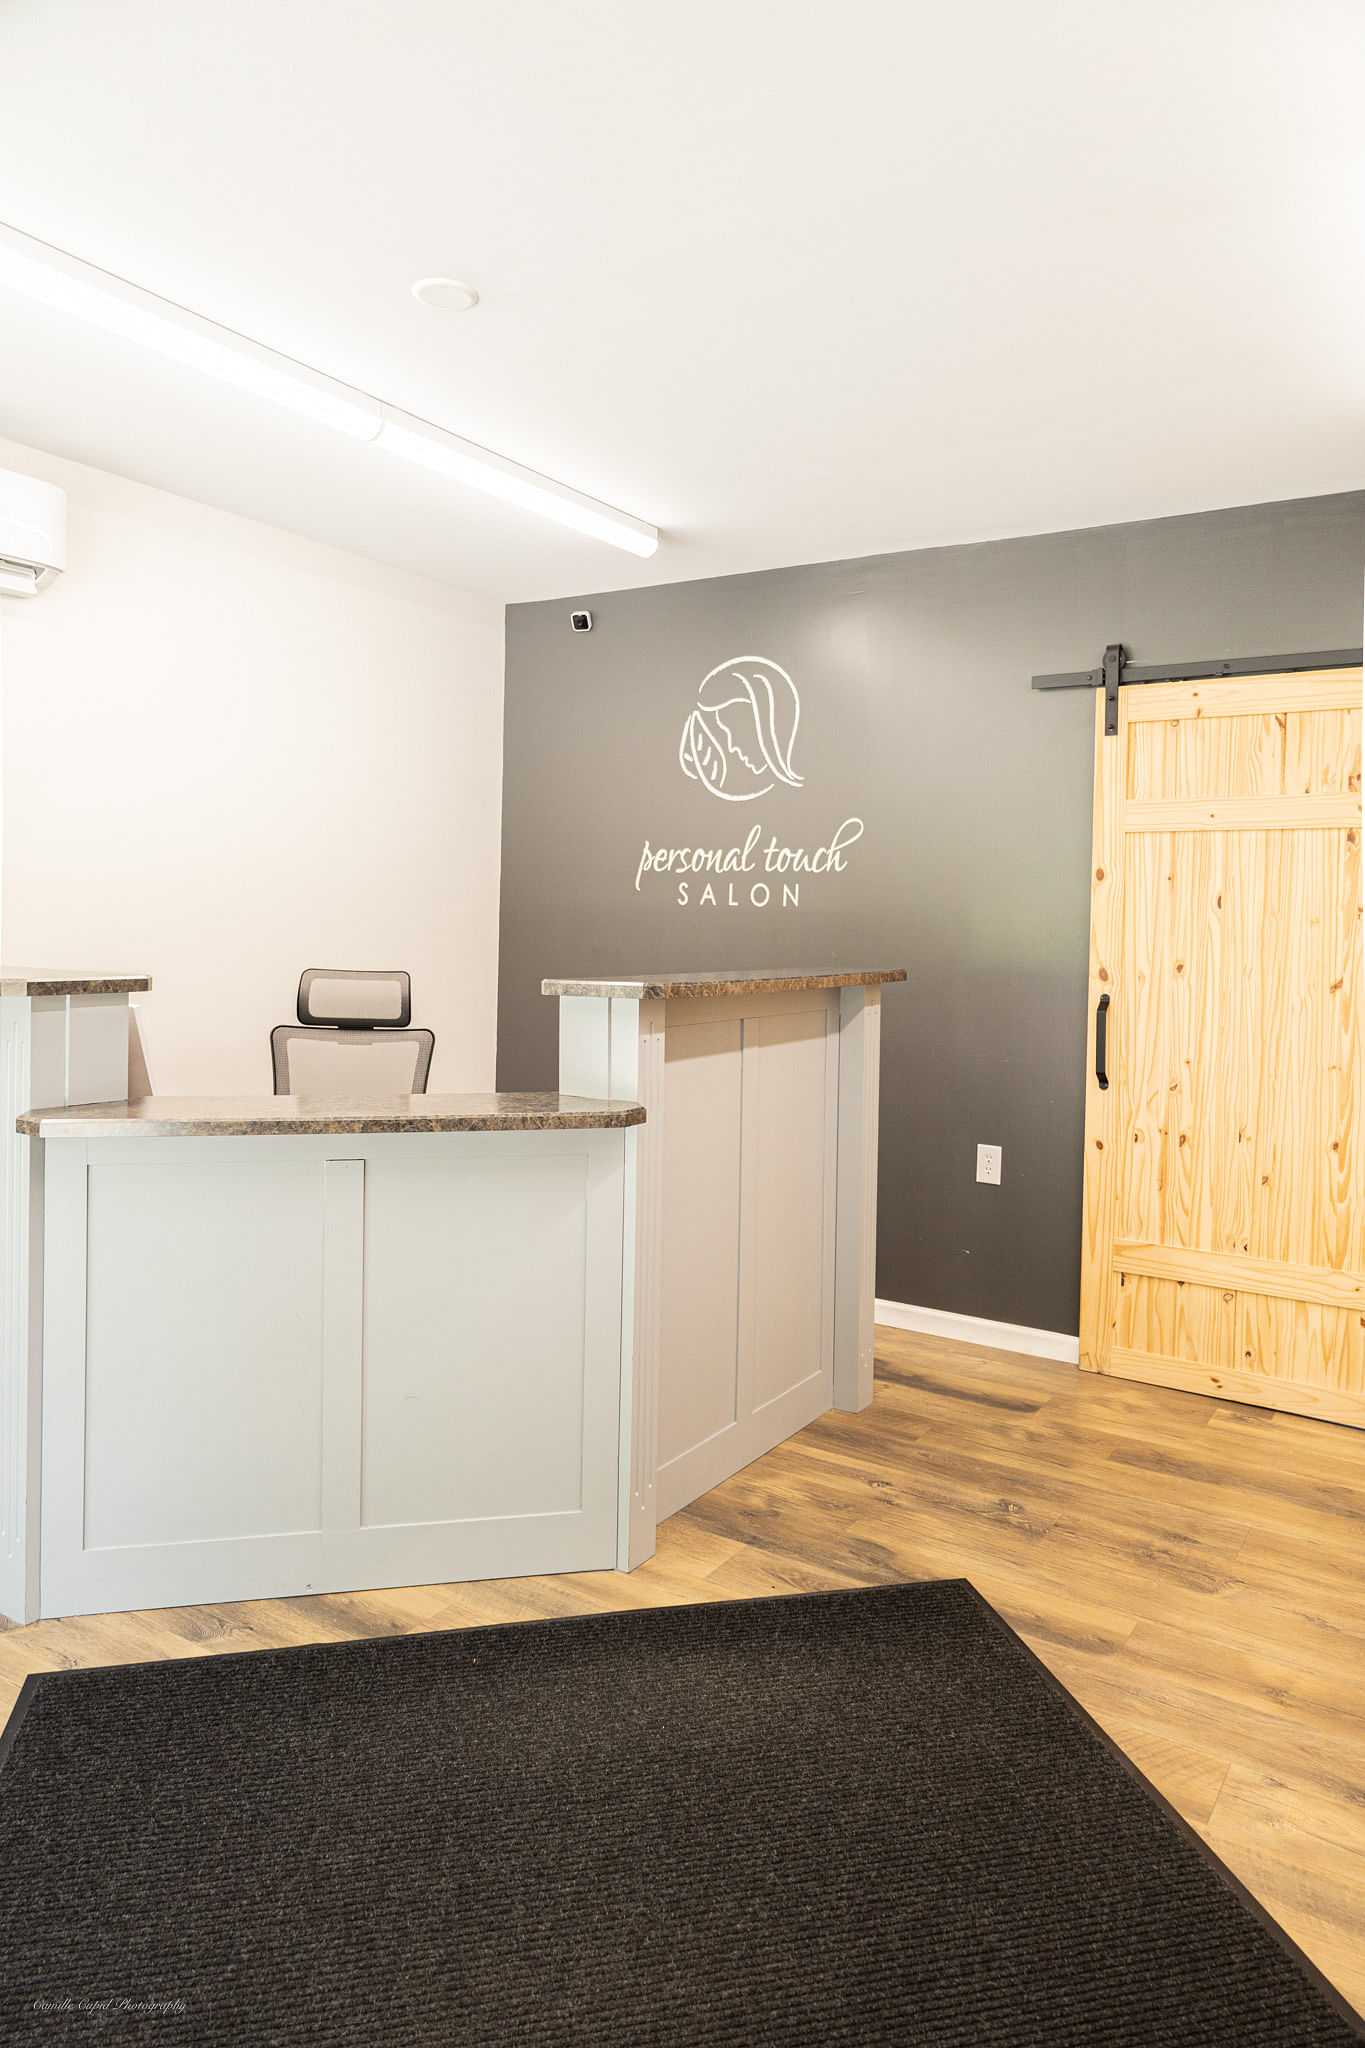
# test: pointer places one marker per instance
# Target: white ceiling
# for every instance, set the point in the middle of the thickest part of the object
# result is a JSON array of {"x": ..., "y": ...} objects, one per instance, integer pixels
[{"x": 793, "y": 279}]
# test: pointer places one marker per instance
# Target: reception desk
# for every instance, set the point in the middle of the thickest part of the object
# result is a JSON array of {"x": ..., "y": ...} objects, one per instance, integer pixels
[
  {"x": 752, "y": 1208},
  {"x": 281, "y": 1345},
  {"x": 300, "y": 1346}
]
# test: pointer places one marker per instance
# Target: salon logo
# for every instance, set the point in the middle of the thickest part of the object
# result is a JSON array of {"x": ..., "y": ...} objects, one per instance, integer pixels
[
  {"x": 738, "y": 740},
  {"x": 737, "y": 743}
]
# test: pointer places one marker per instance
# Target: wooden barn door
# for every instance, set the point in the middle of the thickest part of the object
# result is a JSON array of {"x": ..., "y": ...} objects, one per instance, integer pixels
[{"x": 1224, "y": 1222}]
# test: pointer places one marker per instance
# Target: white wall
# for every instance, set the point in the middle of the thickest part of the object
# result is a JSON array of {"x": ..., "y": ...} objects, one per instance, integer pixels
[{"x": 229, "y": 754}]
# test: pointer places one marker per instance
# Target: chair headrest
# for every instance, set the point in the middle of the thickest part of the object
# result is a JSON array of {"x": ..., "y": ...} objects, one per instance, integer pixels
[{"x": 356, "y": 996}]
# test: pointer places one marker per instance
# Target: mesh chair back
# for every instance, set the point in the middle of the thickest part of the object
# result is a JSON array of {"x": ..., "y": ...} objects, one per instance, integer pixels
[{"x": 318, "y": 1060}]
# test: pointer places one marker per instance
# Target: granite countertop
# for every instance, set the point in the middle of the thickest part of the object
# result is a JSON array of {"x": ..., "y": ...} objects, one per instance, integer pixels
[
  {"x": 22, "y": 981},
  {"x": 279, "y": 1116},
  {"x": 737, "y": 981}
]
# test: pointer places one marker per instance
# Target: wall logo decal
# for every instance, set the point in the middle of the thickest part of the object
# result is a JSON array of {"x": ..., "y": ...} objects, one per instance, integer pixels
[{"x": 737, "y": 742}]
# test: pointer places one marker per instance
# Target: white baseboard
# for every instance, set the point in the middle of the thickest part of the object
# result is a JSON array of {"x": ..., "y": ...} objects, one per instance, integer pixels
[{"x": 942, "y": 1322}]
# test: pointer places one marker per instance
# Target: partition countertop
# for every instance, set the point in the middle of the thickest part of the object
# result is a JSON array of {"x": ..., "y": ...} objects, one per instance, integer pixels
[
  {"x": 282, "y": 1116},
  {"x": 20, "y": 981},
  {"x": 735, "y": 981}
]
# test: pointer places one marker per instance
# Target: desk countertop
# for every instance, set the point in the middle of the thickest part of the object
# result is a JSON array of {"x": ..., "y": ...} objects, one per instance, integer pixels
[
  {"x": 734, "y": 981},
  {"x": 27, "y": 981},
  {"x": 282, "y": 1116}
]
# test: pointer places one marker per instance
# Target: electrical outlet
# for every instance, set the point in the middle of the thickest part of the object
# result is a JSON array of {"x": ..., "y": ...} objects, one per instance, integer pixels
[{"x": 988, "y": 1165}]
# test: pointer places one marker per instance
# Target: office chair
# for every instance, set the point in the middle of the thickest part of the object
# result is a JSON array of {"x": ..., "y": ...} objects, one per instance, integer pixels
[{"x": 354, "y": 1036}]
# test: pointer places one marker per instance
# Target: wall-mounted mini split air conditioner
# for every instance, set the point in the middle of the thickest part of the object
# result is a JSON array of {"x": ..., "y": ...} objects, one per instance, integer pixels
[{"x": 32, "y": 533}]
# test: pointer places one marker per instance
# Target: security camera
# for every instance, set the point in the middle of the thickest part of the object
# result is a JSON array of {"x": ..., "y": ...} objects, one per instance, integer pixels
[{"x": 581, "y": 621}]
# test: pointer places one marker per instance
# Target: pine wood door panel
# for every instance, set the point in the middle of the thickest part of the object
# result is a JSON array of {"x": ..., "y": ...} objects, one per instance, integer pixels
[
  {"x": 1174, "y": 759},
  {"x": 1224, "y": 1219},
  {"x": 1173, "y": 1319}
]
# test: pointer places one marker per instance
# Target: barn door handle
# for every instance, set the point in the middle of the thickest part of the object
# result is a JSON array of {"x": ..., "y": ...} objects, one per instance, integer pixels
[{"x": 1102, "y": 1041}]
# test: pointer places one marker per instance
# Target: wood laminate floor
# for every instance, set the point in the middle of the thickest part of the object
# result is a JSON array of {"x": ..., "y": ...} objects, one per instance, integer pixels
[{"x": 1193, "y": 1572}]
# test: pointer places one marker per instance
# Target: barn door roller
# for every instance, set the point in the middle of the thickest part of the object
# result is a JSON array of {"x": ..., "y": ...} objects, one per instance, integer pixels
[{"x": 1115, "y": 671}]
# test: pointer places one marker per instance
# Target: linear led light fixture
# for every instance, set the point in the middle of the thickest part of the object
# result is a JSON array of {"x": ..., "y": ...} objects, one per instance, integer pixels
[
  {"x": 67, "y": 285},
  {"x": 433, "y": 448}
]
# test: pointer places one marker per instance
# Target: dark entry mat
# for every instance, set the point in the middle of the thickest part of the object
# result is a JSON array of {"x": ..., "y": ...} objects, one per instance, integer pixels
[{"x": 866, "y": 1818}]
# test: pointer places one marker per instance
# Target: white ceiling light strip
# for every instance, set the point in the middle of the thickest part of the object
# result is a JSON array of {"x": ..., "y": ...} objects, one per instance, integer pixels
[
  {"x": 433, "y": 448},
  {"x": 54, "y": 279},
  {"x": 102, "y": 300}
]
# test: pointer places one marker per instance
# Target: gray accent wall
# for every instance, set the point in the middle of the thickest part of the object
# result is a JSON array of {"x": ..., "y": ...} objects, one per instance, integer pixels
[{"x": 972, "y": 871}]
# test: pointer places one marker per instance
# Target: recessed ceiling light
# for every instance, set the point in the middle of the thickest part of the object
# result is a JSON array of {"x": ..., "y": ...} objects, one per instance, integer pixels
[{"x": 445, "y": 294}]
